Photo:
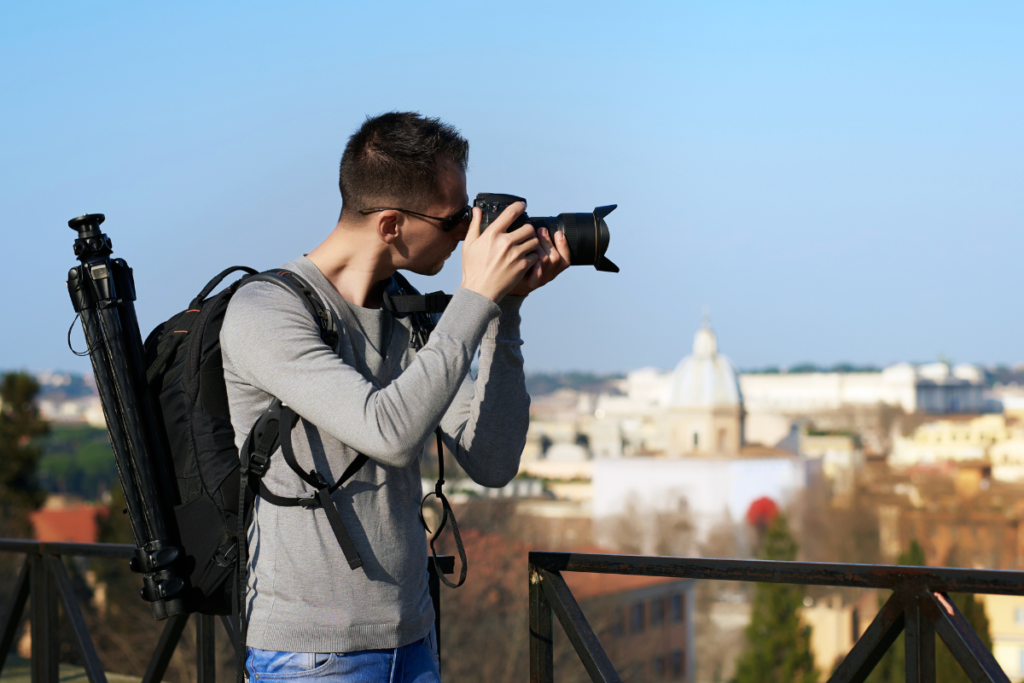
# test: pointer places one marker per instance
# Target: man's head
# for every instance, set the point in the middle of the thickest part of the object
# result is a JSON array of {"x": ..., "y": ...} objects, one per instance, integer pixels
[{"x": 404, "y": 162}]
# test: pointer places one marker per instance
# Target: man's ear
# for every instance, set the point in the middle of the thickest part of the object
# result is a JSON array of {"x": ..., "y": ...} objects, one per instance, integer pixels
[{"x": 389, "y": 226}]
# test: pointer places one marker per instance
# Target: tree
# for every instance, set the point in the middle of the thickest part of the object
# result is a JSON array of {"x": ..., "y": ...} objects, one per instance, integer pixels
[
  {"x": 892, "y": 667},
  {"x": 20, "y": 427},
  {"x": 778, "y": 644}
]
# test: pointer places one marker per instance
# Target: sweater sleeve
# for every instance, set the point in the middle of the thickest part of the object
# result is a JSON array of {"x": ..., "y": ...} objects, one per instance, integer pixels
[
  {"x": 486, "y": 425},
  {"x": 273, "y": 344}
]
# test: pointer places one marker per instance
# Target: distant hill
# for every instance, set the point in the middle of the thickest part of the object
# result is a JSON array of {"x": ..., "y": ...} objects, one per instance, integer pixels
[{"x": 543, "y": 383}]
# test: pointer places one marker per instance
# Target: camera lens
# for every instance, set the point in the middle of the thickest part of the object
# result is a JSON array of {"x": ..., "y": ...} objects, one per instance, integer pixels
[{"x": 586, "y": 234}]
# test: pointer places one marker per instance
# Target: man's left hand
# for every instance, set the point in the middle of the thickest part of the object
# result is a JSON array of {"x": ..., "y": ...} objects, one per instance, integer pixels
[{"x": 554, "y": 258}]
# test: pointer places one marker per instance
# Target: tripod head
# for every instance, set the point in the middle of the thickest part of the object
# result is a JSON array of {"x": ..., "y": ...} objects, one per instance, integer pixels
[{"x": 91, "y": 242}]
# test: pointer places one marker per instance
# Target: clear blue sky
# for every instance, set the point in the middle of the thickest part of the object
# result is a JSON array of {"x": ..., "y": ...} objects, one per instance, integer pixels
[{"x": 837, "y": 181}]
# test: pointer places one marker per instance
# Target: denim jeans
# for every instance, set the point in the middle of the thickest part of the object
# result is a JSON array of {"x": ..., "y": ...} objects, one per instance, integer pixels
[{"x": 414, "y": 663}]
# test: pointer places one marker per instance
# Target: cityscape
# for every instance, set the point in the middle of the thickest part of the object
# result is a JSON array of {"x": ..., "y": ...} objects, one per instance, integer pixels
[{"x": 864, "y": 462}]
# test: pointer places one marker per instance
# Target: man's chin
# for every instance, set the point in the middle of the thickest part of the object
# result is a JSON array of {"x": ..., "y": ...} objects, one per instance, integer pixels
[{"x": 432, "y": 269}]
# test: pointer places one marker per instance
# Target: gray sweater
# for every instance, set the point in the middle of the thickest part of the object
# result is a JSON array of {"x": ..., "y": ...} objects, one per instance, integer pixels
[{"x": 302, "y": 596}]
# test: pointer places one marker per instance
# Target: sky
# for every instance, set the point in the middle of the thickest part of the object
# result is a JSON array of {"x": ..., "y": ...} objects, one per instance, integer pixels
[{"x": 833, "y": 181}]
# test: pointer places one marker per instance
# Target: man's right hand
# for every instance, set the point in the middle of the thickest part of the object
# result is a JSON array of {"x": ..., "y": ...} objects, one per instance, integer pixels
[{"x": 495, "y": 261}]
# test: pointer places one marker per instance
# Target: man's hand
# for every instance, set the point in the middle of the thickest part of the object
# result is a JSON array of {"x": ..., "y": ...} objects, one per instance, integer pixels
[
  {"x": 553, "y": 259},
  {"x": 494, "y": 262}
]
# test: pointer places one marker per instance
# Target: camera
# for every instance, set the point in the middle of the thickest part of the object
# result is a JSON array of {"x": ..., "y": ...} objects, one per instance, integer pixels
[{"x": 586, "y": 233}]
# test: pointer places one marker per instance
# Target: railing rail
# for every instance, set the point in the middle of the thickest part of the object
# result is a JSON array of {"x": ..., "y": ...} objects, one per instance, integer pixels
[
  {"x": 919, "y": 606},
  {"x": 44, "y": 581}
]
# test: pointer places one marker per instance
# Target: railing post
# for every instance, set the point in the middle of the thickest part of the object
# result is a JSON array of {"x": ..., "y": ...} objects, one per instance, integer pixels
[
  {"x": 919, "y": 638},
  {"x": 542, "y": 656},
  {"x": 206, "y": 659},
  {"x": 16, "y": 610},
  {"x": 45, "y": 648}
]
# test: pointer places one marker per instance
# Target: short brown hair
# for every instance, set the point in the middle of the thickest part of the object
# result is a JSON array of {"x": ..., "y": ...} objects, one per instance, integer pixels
[{"x": 394, "y": 160}]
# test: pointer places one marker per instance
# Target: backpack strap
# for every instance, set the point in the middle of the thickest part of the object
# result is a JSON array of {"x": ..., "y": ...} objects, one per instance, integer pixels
[
  {"x": 282, "y": 418},
  {"x": 187, "y": 320},
  {"x": 309, "y": 298}
]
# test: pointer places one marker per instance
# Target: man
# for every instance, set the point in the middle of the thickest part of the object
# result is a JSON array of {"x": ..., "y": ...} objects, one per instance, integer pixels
[{"x": 404, "y": 207}]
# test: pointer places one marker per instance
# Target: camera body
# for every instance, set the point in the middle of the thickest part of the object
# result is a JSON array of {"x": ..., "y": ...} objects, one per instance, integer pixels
[{"x": 586, "y": 233}]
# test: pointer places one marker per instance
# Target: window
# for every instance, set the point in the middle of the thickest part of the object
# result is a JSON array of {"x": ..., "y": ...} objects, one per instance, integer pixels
[
  {"x": 1018, "y": 616},
  {"x": 619, "y": 623},
  {"x": 678, "y": 664},
  {"x": 658, "y": 666},
  {"x": 721, "y": 439},
  {"x": 636, "y": 618},
  {"x": 696, "y": 440},
  {"x": 657, "y": 611},
  {"x": 677, "y": 608}
]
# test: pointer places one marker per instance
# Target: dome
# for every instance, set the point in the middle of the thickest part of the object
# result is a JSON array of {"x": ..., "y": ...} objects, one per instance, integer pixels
[{"x": 705, "y": 379}]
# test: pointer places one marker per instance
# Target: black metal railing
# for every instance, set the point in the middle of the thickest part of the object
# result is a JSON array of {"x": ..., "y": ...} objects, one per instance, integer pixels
[
  {"x": 44, "y": 583},
  {"x": 919, "y": 606}
]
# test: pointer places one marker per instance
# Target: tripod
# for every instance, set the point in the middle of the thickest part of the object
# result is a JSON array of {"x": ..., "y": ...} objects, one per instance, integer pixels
[{"x": 103, "y": 293}]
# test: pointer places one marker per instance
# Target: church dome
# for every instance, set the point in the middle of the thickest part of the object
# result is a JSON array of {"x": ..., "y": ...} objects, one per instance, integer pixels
[{"x": 706, "y": 378}]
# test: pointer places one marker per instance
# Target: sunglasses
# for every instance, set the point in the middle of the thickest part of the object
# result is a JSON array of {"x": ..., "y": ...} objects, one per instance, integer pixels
[{"x": 447, "y": 224}]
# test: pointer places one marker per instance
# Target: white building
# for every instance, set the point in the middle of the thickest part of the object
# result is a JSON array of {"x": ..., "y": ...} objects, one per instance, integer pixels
[
  {"x": 697, "y": 409},
  {"x": 704, "y": 491},
  {"x": 935, "y": 388}
]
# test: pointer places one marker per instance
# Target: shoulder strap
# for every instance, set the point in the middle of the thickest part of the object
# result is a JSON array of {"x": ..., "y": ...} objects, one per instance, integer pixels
[
  {"x": 186, "y": 320},
  {"x": 310, "y": 299}
]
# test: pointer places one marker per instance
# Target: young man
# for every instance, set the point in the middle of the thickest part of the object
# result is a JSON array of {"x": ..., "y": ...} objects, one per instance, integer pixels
[{"x": 404, "y": 207}]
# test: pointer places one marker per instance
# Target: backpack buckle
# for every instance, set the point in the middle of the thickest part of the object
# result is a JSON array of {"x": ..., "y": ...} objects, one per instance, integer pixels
[
  {"x": 309, "y": 503},
  {"x": 259, "y": 463}
]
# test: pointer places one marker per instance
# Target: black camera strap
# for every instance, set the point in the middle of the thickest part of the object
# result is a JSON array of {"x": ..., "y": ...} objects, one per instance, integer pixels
[{"x": 424, "y": 310}]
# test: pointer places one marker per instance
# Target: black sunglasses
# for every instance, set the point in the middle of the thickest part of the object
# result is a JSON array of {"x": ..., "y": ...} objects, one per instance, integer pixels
[{"x": 447, "y": 224}]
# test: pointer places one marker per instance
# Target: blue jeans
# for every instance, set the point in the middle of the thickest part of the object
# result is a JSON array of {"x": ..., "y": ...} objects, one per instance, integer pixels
[{"x": 414, "y": 663}]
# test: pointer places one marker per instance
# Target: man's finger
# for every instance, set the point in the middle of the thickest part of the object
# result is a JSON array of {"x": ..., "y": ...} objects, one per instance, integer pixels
[
  {"x": 474, "y": 225},
  {"x": 529, "y": 245},
  {"x": 523, "y": 232},
  {"x": 562, "y": 245},
  {"x": 507, "y": 217},
  {"x": 545, "y": 243}
]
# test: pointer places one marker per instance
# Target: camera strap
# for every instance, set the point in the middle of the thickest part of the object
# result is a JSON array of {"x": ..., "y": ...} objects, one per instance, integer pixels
[
  {"x": 404, "y": 304},
  {"x": 424, "y": 310}
]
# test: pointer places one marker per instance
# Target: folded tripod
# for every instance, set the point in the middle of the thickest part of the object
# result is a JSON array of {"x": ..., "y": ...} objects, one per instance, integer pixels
[{"x": 103, "y": 293}]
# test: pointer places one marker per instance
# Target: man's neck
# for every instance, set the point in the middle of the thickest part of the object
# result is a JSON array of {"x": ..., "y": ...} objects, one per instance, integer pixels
[{"x": 355, "y": 263}]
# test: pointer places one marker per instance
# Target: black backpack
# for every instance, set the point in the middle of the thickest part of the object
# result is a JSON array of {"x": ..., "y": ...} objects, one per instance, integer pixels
[{"x": 215, "y": 485}]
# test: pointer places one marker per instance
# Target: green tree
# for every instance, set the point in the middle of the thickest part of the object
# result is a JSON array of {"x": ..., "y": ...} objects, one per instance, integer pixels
[
  {"x": 778, "y": 644},
  {"x": 892, "y": 667},
  {"x": 20, "y": 429}
]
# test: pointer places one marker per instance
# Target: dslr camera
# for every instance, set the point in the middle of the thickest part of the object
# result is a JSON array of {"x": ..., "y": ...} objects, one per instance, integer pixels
[{"x": 586, "y": 233}]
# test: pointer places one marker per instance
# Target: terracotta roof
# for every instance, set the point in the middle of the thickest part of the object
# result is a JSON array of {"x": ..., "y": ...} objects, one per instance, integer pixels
[
  {"x": 75, "y": 524},
  {"x": 587, "y": 585},
  {"x": 759, "y": 451}
]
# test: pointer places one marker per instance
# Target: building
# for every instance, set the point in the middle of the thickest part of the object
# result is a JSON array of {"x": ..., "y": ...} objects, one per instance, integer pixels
[
  {"x": 695, "y": 410},
  {"x": 698, "y": 492},
  {"x": 836, "y": 625},
  {"x": 64, "y": 521},
  {"x": 1006, "y": 626},
  {"x": 988, "y": 440},
  {"x": 645, "y": 623},
  {"x": 936, "y": 388}
]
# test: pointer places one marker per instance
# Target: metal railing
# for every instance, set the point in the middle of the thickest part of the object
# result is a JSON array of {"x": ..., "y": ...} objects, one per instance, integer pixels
[
  {"x": 919, "y": 606},
  {"x": 44, "y": 582}
]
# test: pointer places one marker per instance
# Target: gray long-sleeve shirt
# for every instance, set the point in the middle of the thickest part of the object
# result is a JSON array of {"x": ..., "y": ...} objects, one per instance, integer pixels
[{"x": 302, "y": 596}]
